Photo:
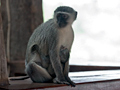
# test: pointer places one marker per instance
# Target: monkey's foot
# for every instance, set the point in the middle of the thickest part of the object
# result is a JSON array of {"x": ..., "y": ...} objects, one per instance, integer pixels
[
  {"x": 72, "y": 84},
  {"x": 55, "y": 80}
]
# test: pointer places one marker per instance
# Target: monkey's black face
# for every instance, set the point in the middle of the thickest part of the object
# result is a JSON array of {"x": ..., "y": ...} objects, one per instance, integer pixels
[{"x": 62, "y": 19}]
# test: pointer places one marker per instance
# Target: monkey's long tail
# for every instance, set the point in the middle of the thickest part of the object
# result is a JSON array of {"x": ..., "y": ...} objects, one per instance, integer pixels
[{"x": 19, "y": 78}]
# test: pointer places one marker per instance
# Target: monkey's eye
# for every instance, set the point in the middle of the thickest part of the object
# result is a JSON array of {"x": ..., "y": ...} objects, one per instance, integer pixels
[
  {"x": 62, "y": 16},
  {"x": 65, "y": 16}
]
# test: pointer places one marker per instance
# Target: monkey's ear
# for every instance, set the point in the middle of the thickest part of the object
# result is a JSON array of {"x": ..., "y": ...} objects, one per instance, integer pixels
[{"x": 75, "y": 15}]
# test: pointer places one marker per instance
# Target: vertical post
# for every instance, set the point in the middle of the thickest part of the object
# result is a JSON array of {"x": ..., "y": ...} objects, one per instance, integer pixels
[
  {"x": 3, "y": 63},
  {"x": 19, "y": 19}
]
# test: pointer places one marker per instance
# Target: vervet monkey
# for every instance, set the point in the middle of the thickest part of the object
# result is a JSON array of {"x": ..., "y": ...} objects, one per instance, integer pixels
[{"x": 48, "y": 49}]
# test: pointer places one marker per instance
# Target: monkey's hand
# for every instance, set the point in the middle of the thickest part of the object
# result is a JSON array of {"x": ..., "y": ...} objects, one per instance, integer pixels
[{"x": 56, "y": 80}]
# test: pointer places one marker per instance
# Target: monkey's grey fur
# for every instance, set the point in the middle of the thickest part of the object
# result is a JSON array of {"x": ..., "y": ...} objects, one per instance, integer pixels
[{"x": 47, "y": 54}]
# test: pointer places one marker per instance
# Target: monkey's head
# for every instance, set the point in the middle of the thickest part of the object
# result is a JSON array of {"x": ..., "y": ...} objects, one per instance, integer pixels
[{"x": 64, "y": 15}]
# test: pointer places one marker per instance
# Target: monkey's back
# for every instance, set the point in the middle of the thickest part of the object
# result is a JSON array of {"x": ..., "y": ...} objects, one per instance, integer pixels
[{"x": 44, "y": 37}]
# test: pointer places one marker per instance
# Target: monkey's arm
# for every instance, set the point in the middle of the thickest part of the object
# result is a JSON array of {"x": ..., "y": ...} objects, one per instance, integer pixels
[
  {"x": 66, "y": 71},
  {"x": 56, "y": 64},
  {"x": 66, "y": 68}
]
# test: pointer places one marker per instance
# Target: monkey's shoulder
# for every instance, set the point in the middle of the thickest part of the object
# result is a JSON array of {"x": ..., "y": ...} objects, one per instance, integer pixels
[
  {"x": 44, "y": 33},
  {"x": 47, "y": 25},
  {"x": 45, "y": 28}
]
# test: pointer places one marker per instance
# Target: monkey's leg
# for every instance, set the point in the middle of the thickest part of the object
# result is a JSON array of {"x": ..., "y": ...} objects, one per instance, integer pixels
[
  {"x": 37, "y": 73},
  {"x": 35, "y": 70}
]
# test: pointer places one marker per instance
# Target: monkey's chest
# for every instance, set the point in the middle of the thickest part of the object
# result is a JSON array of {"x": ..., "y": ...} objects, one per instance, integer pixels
[{"x": 66, "y": 38}]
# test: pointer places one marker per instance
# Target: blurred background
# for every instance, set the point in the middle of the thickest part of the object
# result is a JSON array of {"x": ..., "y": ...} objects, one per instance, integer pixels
[{"x": 97, "y": 30}]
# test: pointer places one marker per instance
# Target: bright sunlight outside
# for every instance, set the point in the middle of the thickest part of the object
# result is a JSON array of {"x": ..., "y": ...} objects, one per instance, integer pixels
[{"x": 97, "y": 30}]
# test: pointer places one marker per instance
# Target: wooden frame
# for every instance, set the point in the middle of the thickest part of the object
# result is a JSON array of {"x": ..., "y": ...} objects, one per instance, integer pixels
[
  {"x": 88, "y": 80},
  {"x": 18, "y": 68},
  {"x": 3, "y": 61}
]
